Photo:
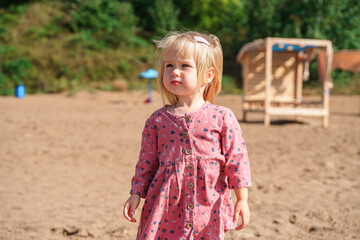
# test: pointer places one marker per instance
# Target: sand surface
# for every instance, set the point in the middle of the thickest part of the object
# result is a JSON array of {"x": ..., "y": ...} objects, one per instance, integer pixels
[{"x": 66, "y": 165}]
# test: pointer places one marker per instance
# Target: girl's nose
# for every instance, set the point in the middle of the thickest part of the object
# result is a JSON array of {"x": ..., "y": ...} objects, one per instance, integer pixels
[{"x": 175, "y": 73}]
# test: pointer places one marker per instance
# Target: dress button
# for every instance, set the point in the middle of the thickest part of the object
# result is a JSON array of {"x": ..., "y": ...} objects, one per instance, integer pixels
[
  {"x": 190, "y": 206},
  {"x": 188, "y": 151},
  {"x": 189, "y": 225},
  {"x": 190, "y": 185},
  {"x": 187, "y": 119},
  {"x": 186, "y": 134},
  {"x": 190, "y": 167}
]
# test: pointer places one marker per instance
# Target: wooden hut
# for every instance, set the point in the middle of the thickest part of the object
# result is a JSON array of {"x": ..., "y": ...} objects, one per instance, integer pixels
[{"x": 273, "y": 71}]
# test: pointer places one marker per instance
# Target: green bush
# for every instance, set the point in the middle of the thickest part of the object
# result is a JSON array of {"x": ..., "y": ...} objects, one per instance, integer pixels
[
  {"x": 4, "y": 85},
  {"x": 84, "y": 39},
  {"x": 6, "y": 20},
  {"x": 51, "y": 30},
  {"x": 109, "y": 21},
  {"x": 14, "y": 68},
  {"x": 228, "y": 85},
  {"x": 345, "y": 82}
]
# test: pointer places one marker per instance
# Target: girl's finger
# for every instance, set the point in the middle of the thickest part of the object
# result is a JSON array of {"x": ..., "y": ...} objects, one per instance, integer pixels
[
  {"x": 240, "y": 227},
  {"x": 132, "y": 209},
  {"x": 236, "y": 213},
  {"x": 126, "y": 212},
  {"x": 236, "y": 217},
  {"x": 131, "y": 213},
  {"x": 245, "y": 222}
]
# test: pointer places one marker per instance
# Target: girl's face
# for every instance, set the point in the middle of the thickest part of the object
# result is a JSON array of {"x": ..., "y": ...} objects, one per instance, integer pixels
[{"x": 180, "y": 74}]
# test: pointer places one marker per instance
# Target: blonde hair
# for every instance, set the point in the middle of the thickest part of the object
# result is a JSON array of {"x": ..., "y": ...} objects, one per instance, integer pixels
[{"x": 205, "y": 57}]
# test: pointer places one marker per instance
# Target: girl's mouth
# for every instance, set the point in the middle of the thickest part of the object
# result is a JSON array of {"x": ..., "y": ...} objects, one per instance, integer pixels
[{"x": 175, "y": 83}]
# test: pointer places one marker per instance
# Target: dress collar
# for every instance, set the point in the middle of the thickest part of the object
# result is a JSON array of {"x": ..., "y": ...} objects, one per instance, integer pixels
[{"x": 189, "y": 114}]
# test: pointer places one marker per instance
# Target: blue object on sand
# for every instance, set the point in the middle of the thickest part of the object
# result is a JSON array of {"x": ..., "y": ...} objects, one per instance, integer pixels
[
  {"x": 20, "y": 91},
  {"x": 149, "y": 74}
]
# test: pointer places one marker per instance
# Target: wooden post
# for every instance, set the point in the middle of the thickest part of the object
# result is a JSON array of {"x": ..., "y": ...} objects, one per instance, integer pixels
[
  {"x": 268, "y": 79},
  {"x": 245, "y": 72},
  {"x": 298, "y": 85},
  {"x": 326, "y": 85},
  {"x": 244, "y": 115},
  {"x": 299, "y": 80}
]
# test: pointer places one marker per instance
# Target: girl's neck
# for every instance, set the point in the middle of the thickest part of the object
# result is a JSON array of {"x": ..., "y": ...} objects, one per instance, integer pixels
[{"x": 188, "y": 105}]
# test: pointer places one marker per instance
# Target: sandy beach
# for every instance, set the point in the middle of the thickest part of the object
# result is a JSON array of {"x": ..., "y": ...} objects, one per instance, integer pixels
[{"x": 66, "y": 165}]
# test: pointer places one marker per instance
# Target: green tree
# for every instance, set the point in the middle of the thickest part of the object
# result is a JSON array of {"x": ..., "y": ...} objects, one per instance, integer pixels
[
  {"x": 141, "y": 10},
  {"x": 110, "y": 21},
  {"x": 341, "y": 23},
  {"x": 164, "y": 16},
  {"x": 336, "y": 20},
  {"x": 224, "y": 18}
]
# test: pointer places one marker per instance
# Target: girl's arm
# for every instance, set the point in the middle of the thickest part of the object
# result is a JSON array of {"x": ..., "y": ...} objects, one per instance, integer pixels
[
  {"x": 144, "y": 172},
  {"x": 237, "y": 167},
  {"x": 148, "y": 162},
  {"x": 241, "y": 208}
]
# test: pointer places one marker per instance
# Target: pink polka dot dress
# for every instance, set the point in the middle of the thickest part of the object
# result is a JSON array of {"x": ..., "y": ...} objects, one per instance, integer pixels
[{"x": 187, "y": 166}]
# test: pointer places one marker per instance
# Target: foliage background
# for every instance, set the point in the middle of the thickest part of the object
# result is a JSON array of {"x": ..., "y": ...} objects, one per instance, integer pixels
[{"x": 54, "y": 46}]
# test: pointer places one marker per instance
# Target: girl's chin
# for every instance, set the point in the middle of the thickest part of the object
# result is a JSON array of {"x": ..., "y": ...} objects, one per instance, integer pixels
[{"x": 174, "y": 89}]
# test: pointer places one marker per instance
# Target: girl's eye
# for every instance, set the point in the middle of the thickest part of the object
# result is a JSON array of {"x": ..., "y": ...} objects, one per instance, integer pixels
[
  {"x": 186, "y": 65},
  {"x": 169, "y": 65}
]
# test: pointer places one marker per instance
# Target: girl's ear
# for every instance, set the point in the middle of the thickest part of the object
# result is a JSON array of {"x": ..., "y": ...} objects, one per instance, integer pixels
[{"x": 209, "y": 75}]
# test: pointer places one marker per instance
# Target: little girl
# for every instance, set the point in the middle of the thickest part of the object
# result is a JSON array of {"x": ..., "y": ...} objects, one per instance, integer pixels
[{"x": 192, "y": 152}]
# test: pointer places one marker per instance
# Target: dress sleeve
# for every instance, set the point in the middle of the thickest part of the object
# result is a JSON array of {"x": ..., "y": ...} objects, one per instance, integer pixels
[
  {"x": 148, "y": 161},
  {"x": 237, "y": 167}
]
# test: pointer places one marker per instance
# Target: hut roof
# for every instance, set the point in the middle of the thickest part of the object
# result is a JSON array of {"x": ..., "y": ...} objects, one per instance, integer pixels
[{"x": 281, "y": 45}]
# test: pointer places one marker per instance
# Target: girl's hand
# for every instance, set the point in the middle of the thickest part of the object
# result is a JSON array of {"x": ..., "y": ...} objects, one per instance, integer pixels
[
  {"x": 242, "y": 209},
  {"x": 130, "y": 206}
]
